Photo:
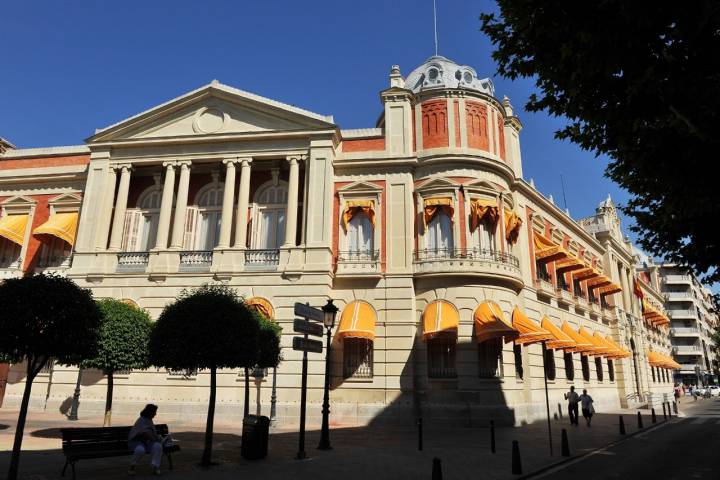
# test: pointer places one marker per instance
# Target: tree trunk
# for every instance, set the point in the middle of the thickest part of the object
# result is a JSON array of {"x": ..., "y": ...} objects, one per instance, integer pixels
[
  {"x": 107, "y": 421},
  {"x": 207, "y": 452},
  {"x": 246, "y": 410},
  {"x": 17, "y": 445}
]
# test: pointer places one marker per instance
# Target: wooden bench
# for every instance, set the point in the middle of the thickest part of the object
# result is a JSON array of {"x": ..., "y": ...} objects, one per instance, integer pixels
[{"x": 103, "y": 442}]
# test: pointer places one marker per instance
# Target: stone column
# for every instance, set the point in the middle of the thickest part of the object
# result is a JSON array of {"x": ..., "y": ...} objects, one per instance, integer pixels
[
  {"x": 292, "y": 203},
  {"x": 105, "y": 216},
  {"x": 227, "y": 205},
  {"x": 178, "y": 231},
  {"x": 161, "y": 241},
  {"x": 120, "y": 207},
  {"x": 242, "y": 204}
]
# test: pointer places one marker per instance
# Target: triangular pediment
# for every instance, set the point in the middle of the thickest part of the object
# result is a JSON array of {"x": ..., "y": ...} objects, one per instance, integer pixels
[
  {"x": 359, "y": 188},
  {"x": 439, "y": 183},
  {"x": 214, "y": 109}
]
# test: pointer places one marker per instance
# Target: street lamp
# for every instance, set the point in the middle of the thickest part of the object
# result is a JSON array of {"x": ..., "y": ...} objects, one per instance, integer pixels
[{"x": 329, "y": 314}]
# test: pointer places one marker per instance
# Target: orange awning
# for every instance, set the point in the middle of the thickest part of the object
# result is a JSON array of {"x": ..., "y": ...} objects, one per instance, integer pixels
[
  {"x": 483, "y": 210},
  {"x": 357, "y": 321},
  {"x": 586, "y": 273},
  {"x": 530, "y": 332},
  {"x": 597, "y": 282},
  {"x": 440, "y": 317},
  {"x": 432, "y": 206},
  {"x": 490, "y": 323},
  {"x": 598, "y": 348},
  {"x": 560, "y": 339},
  {"x": 612, "y": 342},
  {"x": 60, "y": 225},
  {"x": 263, "y": 306},
  {"x": 656, "y": 359},
  {"x": 609, "y": 289},
  {"x": 512, "y": 226},
  {"x": 614, "y": 352},
  {"x": 13, "y": 227},
  {"x": 355, "y": 207},
  {"x": 582, "y": 344},
  {"x": 546, "y": 250}
]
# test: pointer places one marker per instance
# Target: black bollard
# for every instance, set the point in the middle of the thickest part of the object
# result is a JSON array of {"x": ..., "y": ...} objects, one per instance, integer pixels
[
  {"x": 420, "y": 439},
  {"x": 640, "y": 424},
  {"x": 516, "y": 463},
  {"x": 653, "y": 416},
  {"x": 664, "y": 413},
  {"x": 437, "y": 469},
  {"x": 669, "y": 409},
  {"x": 564, "y": 445},
  {"x": 559, "y": 410},
  {"x": 675, "y": 407},
  {"x": 622, "y": 425},
  {"x": 492, "y": 436}
]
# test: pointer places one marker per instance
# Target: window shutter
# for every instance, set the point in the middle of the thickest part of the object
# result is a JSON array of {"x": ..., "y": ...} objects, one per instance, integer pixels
[
  {"x": 131, "y": 230},
  {"x": 191, "y": 220}
]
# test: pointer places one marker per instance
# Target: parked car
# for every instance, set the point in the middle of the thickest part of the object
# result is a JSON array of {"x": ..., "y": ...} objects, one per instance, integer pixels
[
  {"x": 714, "y": 390},
  {"x": 700, "y": 391}
]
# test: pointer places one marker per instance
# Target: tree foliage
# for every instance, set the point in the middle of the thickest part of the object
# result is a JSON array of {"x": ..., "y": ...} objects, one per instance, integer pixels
[
  {"x": 268, "y": 343},
  {"x": 640, "y": 83},
  {"x": 43, "y": 317},
  {"x": 206, "y": 328}
]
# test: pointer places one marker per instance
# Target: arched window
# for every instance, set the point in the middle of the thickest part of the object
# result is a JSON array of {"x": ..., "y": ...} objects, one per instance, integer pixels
[
  {"x": 490, "y": 358},
  {"x": 269, "y": 217},
  {"x": 599, "y": 368},
  {"x": 585, "y": 367},
  {"x": 611, "y": 370},
  {"x": 550, "y": 364},
  {"x": 141, "y": 223},
  {"x": 440, "y": 235},
  {"x": 569, "y": 366},
  {"x": 209, "y": 211}
]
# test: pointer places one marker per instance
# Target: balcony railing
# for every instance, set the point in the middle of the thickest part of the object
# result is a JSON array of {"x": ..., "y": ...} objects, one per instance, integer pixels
[
  {"x": 480, "y": 254},
  {"x": 679, "y": 296},
  {"x": 358, "y": 262},
  {"x": 685, "y": 331},
  {"x": 262, "y": 258},
  {"x": 195, "y": 260},
  {"x": 132, "y": 261},
  {"x": 687, "y": 350},
  {"x": 359, "y": 256},
  {"x": 55, "y": 262},
  {"x": 689, "y": 313},
  {"x": 677, "y": 278},
  {"x": 690, "y": 366}
]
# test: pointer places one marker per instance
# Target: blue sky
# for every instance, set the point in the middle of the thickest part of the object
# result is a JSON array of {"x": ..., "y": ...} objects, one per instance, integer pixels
[{"x": 69, "y": 67}]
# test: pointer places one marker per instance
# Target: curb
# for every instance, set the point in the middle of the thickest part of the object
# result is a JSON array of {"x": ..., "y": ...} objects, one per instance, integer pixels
[{"x": 574, "y": 458}]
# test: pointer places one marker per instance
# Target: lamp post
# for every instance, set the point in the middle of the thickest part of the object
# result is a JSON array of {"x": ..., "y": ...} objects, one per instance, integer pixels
[
  {"x": 273, "y": 398},
  {"x": 76, "y": 397},
  {"x": 330, "y": 312}
]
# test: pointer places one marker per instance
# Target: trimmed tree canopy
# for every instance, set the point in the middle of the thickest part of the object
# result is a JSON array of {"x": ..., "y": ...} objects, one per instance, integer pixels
[
  {"x": 640, "y": 83},
  {"x": 268, "y": 343},
  {"x": 124, "y": 338}
]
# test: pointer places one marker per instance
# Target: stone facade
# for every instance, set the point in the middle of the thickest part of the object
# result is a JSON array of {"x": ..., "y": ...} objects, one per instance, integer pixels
[{"x": 198, "y": 190}]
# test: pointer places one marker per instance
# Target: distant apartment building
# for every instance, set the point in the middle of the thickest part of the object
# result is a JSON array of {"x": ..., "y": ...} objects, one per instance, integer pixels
[{"x": 690, "y": 307}]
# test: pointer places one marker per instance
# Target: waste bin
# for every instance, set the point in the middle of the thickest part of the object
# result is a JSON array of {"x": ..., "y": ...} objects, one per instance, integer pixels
[{"x": 255, "y": 437}]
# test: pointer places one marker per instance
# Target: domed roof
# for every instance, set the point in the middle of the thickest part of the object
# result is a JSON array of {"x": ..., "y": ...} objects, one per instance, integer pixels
[{"x": 439, "y": 72}]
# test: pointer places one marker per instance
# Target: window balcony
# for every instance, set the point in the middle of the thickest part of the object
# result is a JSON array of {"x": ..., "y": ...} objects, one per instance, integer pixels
[
  {"x": 543, "y": 286},
  {"x": 132, "y": 261},
  {"x": 690, "y": 367},
  {"x": 580, "y": 301},
  {"x": 689, "y": 313},
  {"x": 685, "y": 332},
  {"x": 197, "y": 260},
  {"x": 358, "y": 263},
  {"x": 461, "y": 261},
  {"x": 594, "y": 308},
  {"x": 262, "y": 259},
  {"x": 687, "y": 350},
  {"x": 677, "y": 279},
  {"x": 564, "y": 296},
  {"x": 679, "y": 296}
]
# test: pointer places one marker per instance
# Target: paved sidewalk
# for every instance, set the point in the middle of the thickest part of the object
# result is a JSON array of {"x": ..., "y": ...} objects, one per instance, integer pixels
[{"x": 358, "y": 453}]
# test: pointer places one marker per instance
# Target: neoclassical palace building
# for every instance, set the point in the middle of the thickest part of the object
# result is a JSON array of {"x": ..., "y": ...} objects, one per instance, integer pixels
[{"x": 460, "y": 286}]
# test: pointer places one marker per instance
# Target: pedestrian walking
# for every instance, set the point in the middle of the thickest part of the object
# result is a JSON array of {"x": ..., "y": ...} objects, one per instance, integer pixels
[
  {"x": 586, "y": 402},
  {"x": 677, "y": 393},
  {"x": 573, "y": 398}
]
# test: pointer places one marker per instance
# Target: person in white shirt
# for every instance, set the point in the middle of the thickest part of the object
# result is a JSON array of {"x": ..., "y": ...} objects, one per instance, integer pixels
[
  {"x": 573, "y": 398},
  {"x": 586, "y": 402},
  {"x": 144, "y": 439}
]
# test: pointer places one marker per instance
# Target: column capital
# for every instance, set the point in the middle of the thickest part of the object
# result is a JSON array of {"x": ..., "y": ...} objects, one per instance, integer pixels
[
  {"x": 121, "y": 166},
  {"x": 230, "y": 162},
  {"x": 184, "y": 164},
  {"x": 170, "y": 164},
  {"x": 245, "y": 161},
  {"x": 292, "y": 159}
]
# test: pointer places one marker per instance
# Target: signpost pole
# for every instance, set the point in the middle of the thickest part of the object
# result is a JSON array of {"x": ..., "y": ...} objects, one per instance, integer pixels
[{"x": 303, "y": 398}]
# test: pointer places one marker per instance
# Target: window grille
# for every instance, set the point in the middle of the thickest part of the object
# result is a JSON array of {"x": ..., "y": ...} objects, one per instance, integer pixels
[
  {"x": 441, "y": 357},
  {"x": 358, "y": 358},
  {"x": 490, "y": 358}
]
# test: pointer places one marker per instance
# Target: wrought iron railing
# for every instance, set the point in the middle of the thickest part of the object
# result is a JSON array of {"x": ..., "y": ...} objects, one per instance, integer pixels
[
  {"x": 59, "y": 261},
  {"x": 262, "y": 257},
  {"x": 9, "y": 262},
  {"x": 196, "y": 259},
  {"x": 478, "y": 254},
  {"x": 359, "y": 256},
  {"x": 132, "y": 260}
]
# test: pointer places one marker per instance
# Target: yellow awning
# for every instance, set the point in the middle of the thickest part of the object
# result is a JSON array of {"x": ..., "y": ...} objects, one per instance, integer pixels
[
  {"x": 530, "y": 332},
  {"x": 431, "y": 206},
  {"x": 569, "y": 264},
  {"x": 440, "y": 317},
  {"x": 582, "y": 344},
  {"x": 512, "y": 226},
  {"x": 612, "y": 342},
  {"x": 546, "y": 250},
  {"x": 483, "y": 210},
  {"x": 609, "y": 289},
  {"x": 357, "y": 321},
  {"x": 614, "y": 351},
  {"x": 13, "y": 227},
  {"x": 586, "y": 273},
  {"x": 263, "y": 306},
  {"x": 60, "y": 225},
  {"x": 597, "y": 282},
  {"x": 490, "y": 323},
  {"x": 354, "y": 207},
  {"x": 560, "y": 339},
  {"x": 599, "y": 348},
  {"x": 656, "y": 359}
]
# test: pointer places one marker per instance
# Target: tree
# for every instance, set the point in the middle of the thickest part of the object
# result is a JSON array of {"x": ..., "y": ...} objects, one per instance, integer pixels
[
  {"x": 44, "y": 317},
  {"x": 268, "y": 350},
  {"x": 123, "y": 345},
  {"x": 206, "y": 328},
  {"x": 640, "y": 83}
]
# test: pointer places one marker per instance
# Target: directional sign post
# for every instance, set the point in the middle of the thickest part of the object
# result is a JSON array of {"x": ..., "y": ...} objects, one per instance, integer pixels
[{"x": 305, "y": 345}]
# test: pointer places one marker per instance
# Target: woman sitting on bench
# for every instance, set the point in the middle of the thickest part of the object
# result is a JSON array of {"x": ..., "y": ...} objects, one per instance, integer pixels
[{"x": 143, "y": 439}]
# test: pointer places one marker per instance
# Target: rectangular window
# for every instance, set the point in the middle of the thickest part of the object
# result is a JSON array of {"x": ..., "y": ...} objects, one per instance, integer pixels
[
  {"x": 578, "y": 289},
  {"x": 490, "y": 358},
  {"x": 542, "y": 271},
  {"x": 599, "y": 369},
  {"x": 357, "y": 358},
  {"x": 9, "y": 254},
  {"x": 441, "y": 357},
  {"x": 569, "y": 366},
  {"x": 549, "y": 363},
  {"x": 585, "y": 367},
  {"x": 440, "y": 235},
  {"x": 54, "y": 252},
  {"x": 360, "y": 235},
  {"x": 611, "y": 370},
  {"x": 517, "y": 354},
  {"x": 562, "y": 284}
]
